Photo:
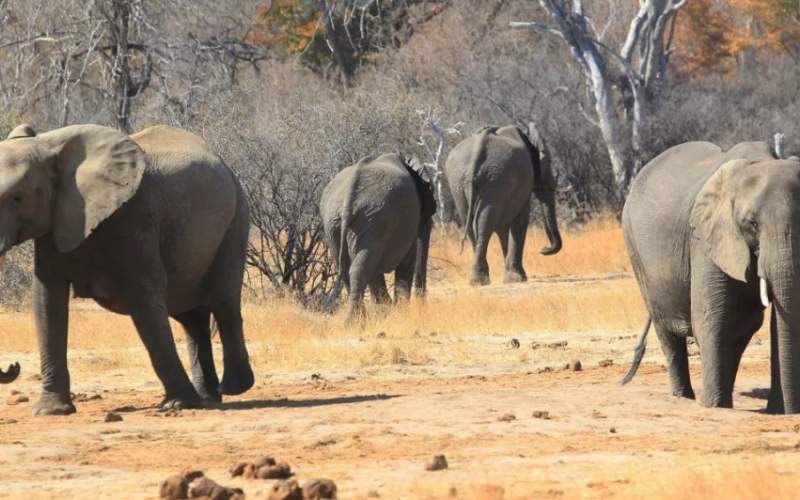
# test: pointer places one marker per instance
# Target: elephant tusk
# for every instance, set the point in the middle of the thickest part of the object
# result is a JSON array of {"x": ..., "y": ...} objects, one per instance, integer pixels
[{"x": 764, "y": 292}]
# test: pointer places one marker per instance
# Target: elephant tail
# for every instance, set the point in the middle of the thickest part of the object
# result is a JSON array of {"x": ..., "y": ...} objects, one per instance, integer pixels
[
  {"x": 477, "y": 158},
  {"x": 638, "y": 352}
]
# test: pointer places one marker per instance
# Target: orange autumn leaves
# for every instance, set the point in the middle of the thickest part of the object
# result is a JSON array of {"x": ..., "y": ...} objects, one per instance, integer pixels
[
  {"x": 718, "y": 35},
  {"x": 287, "y": 26}
]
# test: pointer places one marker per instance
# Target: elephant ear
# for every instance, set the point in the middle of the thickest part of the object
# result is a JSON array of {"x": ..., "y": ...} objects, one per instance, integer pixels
[
  {"x": 424, "y": 185},
  {"x": 98, "y": 169},
  {"x": 713, "y": 221},
  {"x": 22, "y": 131}
]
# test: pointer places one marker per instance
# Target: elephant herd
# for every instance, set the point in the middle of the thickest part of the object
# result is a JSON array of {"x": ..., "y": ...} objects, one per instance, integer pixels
[{"x": 155, "y": 226}]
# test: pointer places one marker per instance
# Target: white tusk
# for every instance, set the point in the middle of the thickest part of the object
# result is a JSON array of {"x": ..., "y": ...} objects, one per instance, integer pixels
[{"x": 764, "y": 292}]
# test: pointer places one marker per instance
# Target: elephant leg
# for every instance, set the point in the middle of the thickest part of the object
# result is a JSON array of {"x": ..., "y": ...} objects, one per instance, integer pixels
[
  {"x": 198, "y": 342},
  {"x": 515, "y": 273},
  {"x": 50, "y": 305},
  {"x": 502, "y": 234},
  {"x": 775, "y": 401},
  {"x": 152, "y": 323},
  {"x": 404, "y": 276},
  {"x": 379, "y": 291},
  {"x": 362, "y": 266},
  {"x": 485, "y": 222},
  {"x": 677, "y": 357},
  {"x": 237, "y": 376},
  {"x": 725, "y": 314}
]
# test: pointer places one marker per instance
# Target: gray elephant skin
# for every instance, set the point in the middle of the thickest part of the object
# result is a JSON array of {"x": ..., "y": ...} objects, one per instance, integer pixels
[
  {"x": 377, "y": 216},
  {"x": 714, "y": 238},
  {"x": 152, "y": 225},
  {"x": 491, "y": 175}
]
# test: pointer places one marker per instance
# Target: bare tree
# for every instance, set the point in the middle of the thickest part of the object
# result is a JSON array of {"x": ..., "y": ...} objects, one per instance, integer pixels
[
  {"x": 641, "y": 65},
  {"x": 434, "y": 147}
]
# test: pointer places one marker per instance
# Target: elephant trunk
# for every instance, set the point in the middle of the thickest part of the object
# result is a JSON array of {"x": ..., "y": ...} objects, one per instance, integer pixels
[
  {"x": 421, "y": 264},
  {"x": 548, "y": 202},
  {"x": 8, "y": 376},
  {"x": 783, "y": 287}
]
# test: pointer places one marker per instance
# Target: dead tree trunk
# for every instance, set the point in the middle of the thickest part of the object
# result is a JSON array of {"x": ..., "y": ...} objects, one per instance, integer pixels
[{"x": 639, "y": 75}]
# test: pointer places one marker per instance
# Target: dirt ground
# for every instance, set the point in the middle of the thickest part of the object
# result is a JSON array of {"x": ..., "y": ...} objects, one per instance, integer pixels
[{"x": 372, "y": 429}]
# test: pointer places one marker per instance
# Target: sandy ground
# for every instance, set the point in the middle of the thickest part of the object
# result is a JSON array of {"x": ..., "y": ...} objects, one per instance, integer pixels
[{"x": 371, "y": 430}]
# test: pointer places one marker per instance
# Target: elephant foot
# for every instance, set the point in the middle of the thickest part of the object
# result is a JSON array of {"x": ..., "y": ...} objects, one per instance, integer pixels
[
  {"x": 684, "y": 393},
  {"x": 775, "y": 403},
  {"x": 515, "y": 276},
  {"x": 53, "y": 404},
  {"x": 479, "y": 279},
  {"x": 207, "y": 394},
  {"x": 237, "y": 380},
  {"x": 181, "y": 403}
]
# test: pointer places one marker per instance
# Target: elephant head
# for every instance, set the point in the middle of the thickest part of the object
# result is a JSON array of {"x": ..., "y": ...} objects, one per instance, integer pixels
[
  {"x": 424, "y": 185},
  {"x": 747, "y": 215},
  {"x": 64, "y": 182},
  {"x": 544, "y": 185},
  {"x": 10, "y": 375}
]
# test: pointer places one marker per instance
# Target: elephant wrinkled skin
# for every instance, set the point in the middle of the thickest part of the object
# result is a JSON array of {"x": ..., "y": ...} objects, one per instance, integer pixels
[
  {"x": 491, "y": 175},
  {"x": 704, "y": 228},
  {"x": 377, "y": 216},
  {"x": 152, "y": 225}
]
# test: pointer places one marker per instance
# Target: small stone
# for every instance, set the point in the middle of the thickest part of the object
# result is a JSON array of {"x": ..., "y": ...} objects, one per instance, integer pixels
[
  {"x": 613, "y": 430},
  {"x": 513, "y": 344},
  {"x": 174, "y": 487},
  {"x": 15, "y": 400},
  {"x": 113, "y": 417},
  {"x": 436, "y": 462},
  {"x": 546, "y": 369},
  {"x": 452, "y": 492},
  {"x": 535, "y": 345},
  {"x": 557, "y": 345},
  {"x": 4, "y": 421},
  {"x": 15, "y": 392},
  {"x": 373, "y": 494},
  {"x": 508, "y": 417},
  {"x": 319, "y": 489},
  {"x": 285, "y": 490},
  {"x": 606, "y": 363},
  {"x": 544, "y": 415},
  {"x": 279, "y": 471},
  {"x": 433, "y": 334},
  {"x": 381, "y": 335}
]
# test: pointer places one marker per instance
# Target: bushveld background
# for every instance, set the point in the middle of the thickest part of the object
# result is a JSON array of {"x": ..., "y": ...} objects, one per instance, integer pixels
[{"x": 289, "y": 92}]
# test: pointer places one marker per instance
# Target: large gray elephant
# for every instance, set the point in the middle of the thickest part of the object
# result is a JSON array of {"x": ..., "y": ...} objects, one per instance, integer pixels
[
  {"x": 491, "y": 175},
  {"x": 703, "y": 229},
  {"x": 377, "y": 216},
  {"x": 152, "y": 225}
]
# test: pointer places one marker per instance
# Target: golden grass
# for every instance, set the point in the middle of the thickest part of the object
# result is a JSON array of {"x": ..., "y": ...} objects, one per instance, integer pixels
[{"x": 283, "y": 336}]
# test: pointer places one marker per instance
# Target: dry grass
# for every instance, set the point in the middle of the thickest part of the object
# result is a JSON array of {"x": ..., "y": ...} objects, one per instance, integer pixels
[{"x": 284, "y": 336}]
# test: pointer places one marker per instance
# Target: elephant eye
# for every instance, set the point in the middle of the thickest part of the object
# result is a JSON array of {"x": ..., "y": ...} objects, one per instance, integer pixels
[{"x": 17, "y": 199}]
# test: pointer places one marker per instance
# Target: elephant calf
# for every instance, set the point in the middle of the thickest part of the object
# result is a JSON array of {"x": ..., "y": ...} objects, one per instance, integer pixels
[
  {"x": 152, "y": 225},
  {"x": 377, "y": 216},
  {"x": 491, "y": 175}
]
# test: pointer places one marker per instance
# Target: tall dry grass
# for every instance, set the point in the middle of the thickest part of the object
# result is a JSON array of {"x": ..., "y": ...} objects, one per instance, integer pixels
[{"x": 449, "y": 328}]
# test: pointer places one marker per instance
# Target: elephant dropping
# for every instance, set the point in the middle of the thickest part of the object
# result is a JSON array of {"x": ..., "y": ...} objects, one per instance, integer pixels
[
  {"x": 285, "y": 490},
  {"x": 278, "y": 471},
  {"x": 174, "y": 487},
  {"x": 265, "y": 460},
  {"x": 319, "y": 489},
  {"x": 205, "y": 487}
]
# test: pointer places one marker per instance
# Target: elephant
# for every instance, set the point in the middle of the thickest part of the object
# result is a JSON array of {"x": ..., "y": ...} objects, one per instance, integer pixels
[
  {"x": 377, "y": 216},
  {"x": 152, "y": 225},
  {"x": 491, "y": 175},
  {"x": 713, "y": 237}
]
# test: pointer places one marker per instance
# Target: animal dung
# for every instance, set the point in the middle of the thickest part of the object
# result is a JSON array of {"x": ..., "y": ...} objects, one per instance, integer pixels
[
  {"x": 319, "y": 489},
  {"x": 436, "y": 462},
  {"x": 544, "y": 415},
  {"x": 285, "y": 490},
  {"x": 508, "y": 417},
  {"x": 112, "y": 417},
  {"x": 265, "y": 467},
  {"x": 513, "y": 344},
  {"x": 174, "y": 487},
  {"x": 605, "y": 363},
  {"x": 574, "y": 366}
]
